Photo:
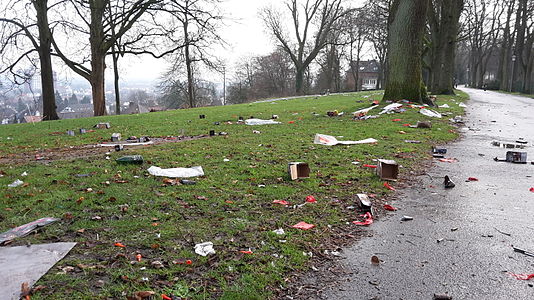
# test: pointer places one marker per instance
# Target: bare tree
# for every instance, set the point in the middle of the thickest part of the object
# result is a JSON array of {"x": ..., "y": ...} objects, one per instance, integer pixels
[
  {"x": 376, "y": 15},
  {"x": 312, "y": 24},
  {"x": 405, "y": 35},
  {"x": 24, "y": 35}
]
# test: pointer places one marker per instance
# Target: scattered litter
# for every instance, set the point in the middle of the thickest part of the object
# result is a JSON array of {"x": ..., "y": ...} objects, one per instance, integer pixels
[
  {"x": 364, "y": 203},
  {"x": 439, "y": 151},
  {"x": 187, "y": 182},
  {"x": 204, "y": 249},
  {"x": 25, "y": 229},
  {"x": 525, "y": 252},
  {"x": 389, "y": 187},
  {"x": 281, "y": 202},
  {"x": 82, "y": 131},
  {"x": 334, "y": 113},
  {"x": 130, "y": 159},
  {"x": 522, "y": 276},
  {"x": 387, "y": 169},
  {"x": 102, "y": 126},
  {"x": 369, "y": 166},
  {"x": 310, "y": 199},
  {"x": 303, "y": 226},
  {"x": 24, "y": 174},
  {"x": 256, "y": 131},
  {"x": 461, "y": 104},
  {"x": 176, "y": 172},
  {"x": 521, "y": 141},
  {"x": 448, "y": 160},
  {"x": 396, "y": 120},
  {"x": 115, "y": 137},
  {"x": 448, "y": 183},
  {"x": 329, "y": 140},
  {"x": 364, "y": 111},
  {"x": 16, "y": 183},
  {"x": 472, "y": 179},
  {"x": 368, "y": 220},
  {"x": 442, "y": 297},
  {"x": 260, "y": 122},
  {"x": 514, "y": 157},
  {"x": 375, "y": 260},
  {"x": 226, "y": 160},
  {"x": 430, "y": 113},
  {"x": 70, "y": 133},
  {"x": 412, "y": 141},
  {"x": 391, "y": 108},
  {"x": 507, "y": 145},
  {"x": 279, "y": 231},
  {"x": 531, "y": 189},
  {"x": 120, "y": 245},
  {"x": 26, "y": 264},
  {"x": 444, "y": 106},
  {"x": 389, "y": 207},
  {"x": 406, "y": 218},
  {"x": 298, "y": 170}
]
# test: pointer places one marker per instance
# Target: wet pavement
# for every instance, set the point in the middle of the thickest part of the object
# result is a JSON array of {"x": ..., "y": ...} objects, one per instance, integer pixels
[{"x": 460, "y": 241}]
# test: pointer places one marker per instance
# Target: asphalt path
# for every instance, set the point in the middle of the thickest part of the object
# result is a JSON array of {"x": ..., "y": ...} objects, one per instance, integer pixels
[{"x": 460, "y": 240}]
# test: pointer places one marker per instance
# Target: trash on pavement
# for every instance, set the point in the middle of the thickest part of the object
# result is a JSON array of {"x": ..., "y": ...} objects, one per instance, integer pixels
[
  {"x": 389, "y": 207},
  {"x": 461, "y": 104},
  {"x": 522, "y": 276},
  {"x": 25, "y": 229},
  {"x": 430, "y": 113},
  {"x": 130, "y": 159},
  {"x": 204, "y": 249},
  {"x": 389, "y": 187},
  {"x": 439, "y": 151},
  {"x": 16, "y": 183},
  {"x": 102, "y": 126},
  {"x": 448, "y": 160},
  {"x": 176, "y": 172},
  {"x": 260, "y": 122},
  {"x": 507, "y": 145},
  {"x": 375, "y": 260},
  {"x": 303, "y": 226},
  {"x": 391, "y": 108},
  {"x": 281, "y": 202},
  {"x": 310, "y": 199},
  {"x": 442, "y": 297},
  {"x": 472, "y": 179},
  {"x": 298, "y": 170},
  {"x": 516, "y": 157},
  {"x": 368, "y": 220},
  {"x": 329, "y": 140},
  {"x": 448, "y": 183},
  {"x": 387, "y": 169},
  {"x": 525, "y": 252},
  {"x": 406, "y": 218},
  {"x": 531, "y": 189},
  {"x": 412, "y": 141},
  {"x": 26, "y": 264},
  {"x": 521, "y": 141},
  {"x": 364, "y": 203}
]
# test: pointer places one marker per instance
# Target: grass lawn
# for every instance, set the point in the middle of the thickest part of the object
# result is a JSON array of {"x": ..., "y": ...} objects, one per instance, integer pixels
[{"x": 230, "y": 206}]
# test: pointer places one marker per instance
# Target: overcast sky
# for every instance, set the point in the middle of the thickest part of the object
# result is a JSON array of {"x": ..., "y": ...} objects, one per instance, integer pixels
[{"x": 243, "y": 31}]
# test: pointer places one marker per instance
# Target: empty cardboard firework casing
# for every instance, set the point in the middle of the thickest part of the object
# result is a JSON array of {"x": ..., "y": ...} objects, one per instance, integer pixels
[
  {"x": 102, "y": 126},
  {"x": 364, "y": 203},
  {"x": 116, "y": 137},
  {"x": 387, "y": 169},
  {"x": 82, "y": 131},
  {"x": 516, "y": 157},
  {"x": 70, "y": 132},
  {"x": 298, "y": 170}
]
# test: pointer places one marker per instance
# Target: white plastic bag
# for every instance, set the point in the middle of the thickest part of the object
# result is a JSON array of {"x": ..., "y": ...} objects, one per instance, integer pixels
[
  {"x": 204, "y": 249},
  {"x": 430, "y": 113},
  {"x": 328, "y": 140},
  {"x": 176, "y": 172},
  {"x": 260, "y": 122}
]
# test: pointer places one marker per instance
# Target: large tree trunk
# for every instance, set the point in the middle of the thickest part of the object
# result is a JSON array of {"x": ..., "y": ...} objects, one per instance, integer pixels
[
  {"x": 47, "y": 75},
  {"x": 299, "y": 80},
  {"x": 188, "y": 63},
  {"x": 405, "y": 35},
  {"x": 116, "y": 82},
  {"x": 98, "y": 55}
]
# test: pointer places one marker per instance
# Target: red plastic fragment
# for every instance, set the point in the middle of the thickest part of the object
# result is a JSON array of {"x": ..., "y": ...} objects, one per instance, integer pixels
[
  {"x": 522, "y": 276},
  {"x": 472, "y": 179},
  {"x": 532, "y": 189},
  {"x": 389, "y": 187},
  {"x": 246, "y": 251},
  {"x": 303, "y": 226},
  {"x": 163, "y": 296},
  {"x": 310, "y": 199},
  {"x": 369, "y": 166},
  {"x": 368, "y": 220},
  {"x": 396, "y": 120},
  {"x": 119, "y": 245},
  {"x": 282, "y": 202},
  {"x": 291, "y": 122},
  {"x": 188, "y": 262},
  {"x": 449, "y": 160},
  {"x": 406, "y": 125},
  {"x": 389, "y": 207}
]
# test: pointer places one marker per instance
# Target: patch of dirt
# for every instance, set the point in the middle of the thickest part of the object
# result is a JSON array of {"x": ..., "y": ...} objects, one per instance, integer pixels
[{"x": 69, "y": 153}]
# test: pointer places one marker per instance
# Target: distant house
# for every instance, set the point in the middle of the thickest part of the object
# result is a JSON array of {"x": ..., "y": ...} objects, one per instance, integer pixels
[
  {"x": 76, "y": 111},
  {"x": 368, "y": 72}
]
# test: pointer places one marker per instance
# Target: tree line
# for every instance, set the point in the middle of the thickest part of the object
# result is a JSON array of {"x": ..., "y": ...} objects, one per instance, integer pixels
[{"x": 419, "y": 46}]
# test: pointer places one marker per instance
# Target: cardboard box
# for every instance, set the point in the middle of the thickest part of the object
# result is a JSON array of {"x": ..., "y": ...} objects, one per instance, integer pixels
[
  {"x": 516, "y": 157},
  {"x": 102, "y": 126},
  {"x": 116, "y": 137},
  {"x": 387, "y": 169},
  {"x": 298, "y": 170}
]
